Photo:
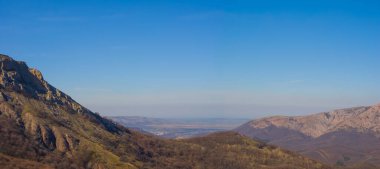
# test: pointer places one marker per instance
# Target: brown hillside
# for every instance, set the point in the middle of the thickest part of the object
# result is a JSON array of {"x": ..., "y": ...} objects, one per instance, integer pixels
[{"x": 346, "y": 137}]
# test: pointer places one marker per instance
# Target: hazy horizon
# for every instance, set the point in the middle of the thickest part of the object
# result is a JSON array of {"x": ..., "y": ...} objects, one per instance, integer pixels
[{"x": 201, "y": 59}]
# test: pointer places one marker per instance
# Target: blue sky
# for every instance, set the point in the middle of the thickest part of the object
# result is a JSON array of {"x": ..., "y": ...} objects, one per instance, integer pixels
[{"x": 242, "y": 59}]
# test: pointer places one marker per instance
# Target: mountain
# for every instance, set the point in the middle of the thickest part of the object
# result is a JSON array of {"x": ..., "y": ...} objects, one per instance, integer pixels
[
  {"x": 41, "y": 127},
  {"x": 178, "y": 128},
  {"x": 346, "y": 137}
]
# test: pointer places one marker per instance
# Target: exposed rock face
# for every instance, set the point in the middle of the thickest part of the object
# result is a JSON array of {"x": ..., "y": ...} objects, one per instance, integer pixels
[
  {"x": 16, "y": 76},
  {"x": 43, "y": 134},
  {"x": 328, "y": 136},
  {"x": 40, "y": 115},
  {"x": 360, "y": 118},
  {"x": 29, "y": 82}
]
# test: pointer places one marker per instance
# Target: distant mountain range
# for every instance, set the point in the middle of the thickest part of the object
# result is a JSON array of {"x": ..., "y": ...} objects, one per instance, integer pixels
[
  {"x": 346, "y": 137},
  {"x": 43, "y": 128},
  {"x": 178, "y": 128}
]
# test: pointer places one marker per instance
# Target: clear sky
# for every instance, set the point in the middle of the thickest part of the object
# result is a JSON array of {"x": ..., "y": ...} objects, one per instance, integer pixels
[{"x": 242, "y": 59}]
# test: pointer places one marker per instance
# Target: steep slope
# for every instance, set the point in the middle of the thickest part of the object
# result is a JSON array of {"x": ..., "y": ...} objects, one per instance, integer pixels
[
  {"x": 41, "y": 127},
  {"x": 40, "y": 123},
  {"x": 342, "y": 137}
]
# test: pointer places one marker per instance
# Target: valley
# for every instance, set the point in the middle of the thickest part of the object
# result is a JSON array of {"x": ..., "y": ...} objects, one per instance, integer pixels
[
  {"x": 42, "y": 127},
  {"x": 178, "y": 128}
]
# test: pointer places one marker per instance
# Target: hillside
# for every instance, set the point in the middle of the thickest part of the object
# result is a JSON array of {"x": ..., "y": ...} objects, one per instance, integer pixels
[
  {"x": 346, "y": 137},
  {"x": 41, "y": 127}
]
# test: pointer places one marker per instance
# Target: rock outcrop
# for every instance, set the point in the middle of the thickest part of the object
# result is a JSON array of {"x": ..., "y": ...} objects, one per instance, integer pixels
[{"x": 17, "y": 76}]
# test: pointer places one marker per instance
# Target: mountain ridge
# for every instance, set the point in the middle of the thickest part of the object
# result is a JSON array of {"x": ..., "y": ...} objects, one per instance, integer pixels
[{"x": 330, "y": 137}]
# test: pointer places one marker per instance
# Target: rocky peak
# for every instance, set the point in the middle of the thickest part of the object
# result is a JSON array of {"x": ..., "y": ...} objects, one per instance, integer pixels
[
  {"x": 4, "y": 57},
  {"x": 16, "y": 76}
]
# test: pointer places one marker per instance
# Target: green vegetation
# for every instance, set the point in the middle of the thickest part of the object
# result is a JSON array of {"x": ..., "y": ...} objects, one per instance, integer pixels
[{"x": 346, "y": 158}]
